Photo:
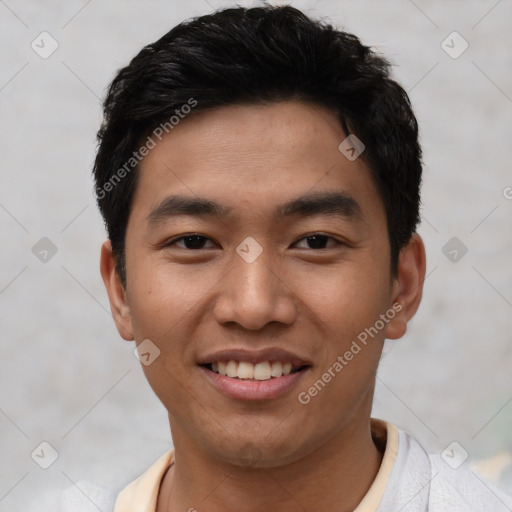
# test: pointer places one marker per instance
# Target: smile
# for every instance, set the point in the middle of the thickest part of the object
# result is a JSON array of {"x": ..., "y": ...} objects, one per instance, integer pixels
[
  {"x": 250, "y": 382},
  {"x": 245, "y": 370}
]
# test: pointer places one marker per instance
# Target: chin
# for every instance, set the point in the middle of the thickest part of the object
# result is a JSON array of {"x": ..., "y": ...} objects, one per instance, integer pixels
[{"x": 254, "y": 455}]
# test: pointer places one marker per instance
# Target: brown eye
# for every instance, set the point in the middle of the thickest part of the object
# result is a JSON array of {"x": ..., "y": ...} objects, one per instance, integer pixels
[
  {"x": 192, "y": 242},
  {"x": 318, "y": 241}
]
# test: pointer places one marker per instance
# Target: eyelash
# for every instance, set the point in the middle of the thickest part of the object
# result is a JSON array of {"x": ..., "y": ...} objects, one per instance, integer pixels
[{"x": 170, "y": 243}]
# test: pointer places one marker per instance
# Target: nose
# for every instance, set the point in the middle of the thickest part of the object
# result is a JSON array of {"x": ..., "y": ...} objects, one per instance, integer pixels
[{"x": 253, "y": 294}]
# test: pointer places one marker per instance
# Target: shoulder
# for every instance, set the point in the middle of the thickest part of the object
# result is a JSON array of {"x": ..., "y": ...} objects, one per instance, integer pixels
[
  {"x": 430, "y": 483},
  {"x": 463, "y": 489},
  {"x": 84, "y": 496}
]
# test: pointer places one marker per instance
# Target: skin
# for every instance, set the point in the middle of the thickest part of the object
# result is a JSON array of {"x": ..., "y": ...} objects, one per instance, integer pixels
[{"x": 272, "y": 454}]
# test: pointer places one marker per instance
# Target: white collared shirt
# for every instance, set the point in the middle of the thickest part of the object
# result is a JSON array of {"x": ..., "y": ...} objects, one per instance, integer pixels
[{"x": 408, "y": 480}]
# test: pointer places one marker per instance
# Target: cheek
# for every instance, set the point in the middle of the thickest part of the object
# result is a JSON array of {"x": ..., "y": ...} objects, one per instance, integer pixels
[
  {"x": 346, "y": 298},
  {"x": 348, "y": 304},
  {"x": 162, "y": 307},
  {"x": 160, "y": 296},
  {"x": 168, "y": 305}
]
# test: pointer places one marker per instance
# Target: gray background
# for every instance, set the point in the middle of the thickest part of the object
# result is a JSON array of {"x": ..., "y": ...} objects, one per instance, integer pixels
[{"x": 67, "y": 378}]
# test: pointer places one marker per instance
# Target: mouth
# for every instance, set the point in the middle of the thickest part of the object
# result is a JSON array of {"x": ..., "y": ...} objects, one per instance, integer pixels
[
  {"x": 246, "y": 370},
  {"x": 247, "y": 376}
]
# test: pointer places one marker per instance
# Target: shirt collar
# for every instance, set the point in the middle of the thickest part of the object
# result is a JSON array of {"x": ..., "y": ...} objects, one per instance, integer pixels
[{"x": 142, "y": 493}]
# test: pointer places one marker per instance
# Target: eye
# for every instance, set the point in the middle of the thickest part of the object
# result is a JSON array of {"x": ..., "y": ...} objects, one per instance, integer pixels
[
  {"x": 192, "y": 242},
  {"x": 197, "y": 242},
  {"x": 318, "y": 241}
]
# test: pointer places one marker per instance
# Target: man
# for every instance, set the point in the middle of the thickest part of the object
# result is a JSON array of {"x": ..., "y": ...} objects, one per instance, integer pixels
[{"x": 259, "y": 175}]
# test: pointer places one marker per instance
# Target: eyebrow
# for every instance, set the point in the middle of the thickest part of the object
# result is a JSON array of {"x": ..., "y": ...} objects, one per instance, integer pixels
[{"x": 340, "y": 204}]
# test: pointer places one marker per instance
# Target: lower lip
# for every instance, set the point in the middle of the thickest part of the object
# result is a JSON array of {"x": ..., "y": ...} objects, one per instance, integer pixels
[{"x": 241, "y": 389}]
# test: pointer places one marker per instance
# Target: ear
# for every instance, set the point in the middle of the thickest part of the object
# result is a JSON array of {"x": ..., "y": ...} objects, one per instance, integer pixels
[
  {"x": 116, "y": 292},
  {"x": 407, "y": 286}
]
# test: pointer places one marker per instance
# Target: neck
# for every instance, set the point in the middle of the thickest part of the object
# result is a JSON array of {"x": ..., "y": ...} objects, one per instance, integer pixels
[{"x": 333, "y": 478}]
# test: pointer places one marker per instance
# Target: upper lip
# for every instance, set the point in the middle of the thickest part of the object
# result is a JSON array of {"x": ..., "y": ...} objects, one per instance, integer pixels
[{"x": 254, "y": 356}]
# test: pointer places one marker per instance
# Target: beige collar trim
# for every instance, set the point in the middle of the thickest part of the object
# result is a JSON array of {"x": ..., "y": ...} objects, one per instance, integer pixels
[
  {"x": 142, "y": 493},
  {"x": 374, "y": 496}
]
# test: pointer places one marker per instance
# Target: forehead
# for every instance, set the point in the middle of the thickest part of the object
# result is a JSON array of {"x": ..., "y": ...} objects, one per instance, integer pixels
[{"x": 248, "y": 155}]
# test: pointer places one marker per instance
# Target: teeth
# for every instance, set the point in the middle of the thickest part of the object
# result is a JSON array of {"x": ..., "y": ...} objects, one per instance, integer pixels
[
  {"x": 232, "y": 369},
  {"x": 262, "y": 371},
  {"x": 277, "y": 369},
  {"x": 246, "y": 370}
]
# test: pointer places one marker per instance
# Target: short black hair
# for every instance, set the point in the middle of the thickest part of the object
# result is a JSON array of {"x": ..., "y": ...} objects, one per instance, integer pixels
[{"x": 256, "y": 56}]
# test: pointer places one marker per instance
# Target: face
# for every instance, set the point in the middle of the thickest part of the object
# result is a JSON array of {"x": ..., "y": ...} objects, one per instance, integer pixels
[{"x": 254, "y": 245}]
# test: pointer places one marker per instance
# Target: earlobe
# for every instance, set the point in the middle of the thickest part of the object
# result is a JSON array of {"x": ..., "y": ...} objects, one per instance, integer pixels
[
  {"x": 407, "y": 286},
  {"x": 116, "y": 292}
]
